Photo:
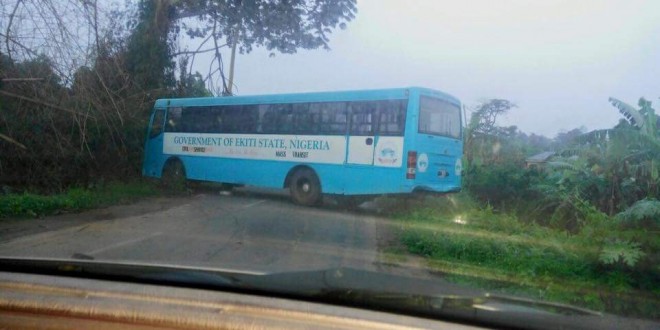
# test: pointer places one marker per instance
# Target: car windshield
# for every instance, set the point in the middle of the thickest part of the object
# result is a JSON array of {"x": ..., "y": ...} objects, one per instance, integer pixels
[{"x": 508, "y": 149}]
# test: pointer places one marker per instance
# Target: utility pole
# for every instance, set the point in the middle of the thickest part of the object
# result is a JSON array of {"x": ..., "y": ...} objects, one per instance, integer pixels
[
  {"x": 232, "y": 61},
  {"x": 235, "y": 36}
]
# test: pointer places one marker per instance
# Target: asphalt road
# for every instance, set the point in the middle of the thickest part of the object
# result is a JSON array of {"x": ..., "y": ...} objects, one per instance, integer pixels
[{"x": 249, "y": 231}]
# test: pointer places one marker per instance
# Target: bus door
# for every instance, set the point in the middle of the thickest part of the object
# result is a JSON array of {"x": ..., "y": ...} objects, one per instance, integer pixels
[
  {"x": 362, "y": 137},
  {"x": 376, "y": 133},
  {"x": 389, "y": 120},
  {"x": 153, "y": 148}
]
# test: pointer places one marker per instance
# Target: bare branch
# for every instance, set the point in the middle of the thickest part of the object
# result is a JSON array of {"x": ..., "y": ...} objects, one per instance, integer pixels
[
  {"x": 12, "y": 141},
  {"x": 195, "y": 52},
  {"x": 21, "y": 79},
  {"x": 192, "y": 61},
  {"x": 53, "y": 106},
  {"x": 8, "y": 30}
]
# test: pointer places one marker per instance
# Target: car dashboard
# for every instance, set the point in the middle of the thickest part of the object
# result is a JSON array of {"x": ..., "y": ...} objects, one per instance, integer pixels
[{"x": 30, "y": 301}]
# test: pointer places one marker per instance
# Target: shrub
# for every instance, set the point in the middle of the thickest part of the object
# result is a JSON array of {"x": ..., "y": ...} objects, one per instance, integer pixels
[
  {"x": 644, "y": 214},
  {"x": 75, "y": 199}
]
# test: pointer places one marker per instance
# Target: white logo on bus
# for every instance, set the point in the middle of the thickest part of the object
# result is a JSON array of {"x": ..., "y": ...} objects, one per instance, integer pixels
[
  {"x": 422, "y": 162},
  {"x": 387, "y": 153}
]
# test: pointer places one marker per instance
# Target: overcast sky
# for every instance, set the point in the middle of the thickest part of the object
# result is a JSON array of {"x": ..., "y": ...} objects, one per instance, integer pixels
[{"x": 558, "y": 60}]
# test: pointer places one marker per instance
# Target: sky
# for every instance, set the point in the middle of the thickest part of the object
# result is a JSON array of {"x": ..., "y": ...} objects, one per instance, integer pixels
[{"x": 559, "y": 61}]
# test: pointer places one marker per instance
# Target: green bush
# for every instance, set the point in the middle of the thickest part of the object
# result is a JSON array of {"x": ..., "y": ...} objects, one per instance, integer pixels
[
  {"x": 592, "y": 267},
  {"x": 497, "y": 241},
  {"x": 505, "y": 186},
  {"x": 75, "y": 199},
  {"x": 644, "y": 214}
]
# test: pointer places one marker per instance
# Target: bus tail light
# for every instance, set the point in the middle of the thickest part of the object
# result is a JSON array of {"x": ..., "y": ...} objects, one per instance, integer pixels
[{"x": 412, "y": 164}]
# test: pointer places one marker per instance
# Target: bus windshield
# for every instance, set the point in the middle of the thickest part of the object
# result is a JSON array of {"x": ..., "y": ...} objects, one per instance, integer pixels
[{"x": 439, "y": 117}]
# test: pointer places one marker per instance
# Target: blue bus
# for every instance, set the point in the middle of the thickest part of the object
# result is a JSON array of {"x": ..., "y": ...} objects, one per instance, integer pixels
[{"x": 350, "y": 143}]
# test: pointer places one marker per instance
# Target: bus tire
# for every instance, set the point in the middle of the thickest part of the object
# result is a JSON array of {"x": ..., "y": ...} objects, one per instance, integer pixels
[
  {"x": 305, "y": 187},
  {"x": 174, "y": 175}
]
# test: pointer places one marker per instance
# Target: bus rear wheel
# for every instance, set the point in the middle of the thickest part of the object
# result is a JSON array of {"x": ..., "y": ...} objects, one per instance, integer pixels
[
  {"x": 305, "y": 187},
  {"x": 174, "y": 176}
]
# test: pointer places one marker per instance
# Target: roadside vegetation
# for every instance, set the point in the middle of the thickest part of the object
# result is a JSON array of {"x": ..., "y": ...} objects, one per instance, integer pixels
[
  {"x": 581, "y": 228},
  {"x": 78, "y": 80},
  {"x": 27, "y": 205}
]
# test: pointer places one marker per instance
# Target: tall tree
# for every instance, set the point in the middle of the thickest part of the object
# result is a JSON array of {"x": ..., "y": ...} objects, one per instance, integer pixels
[
  {"x": 482, "y": 131},
  {"x": 78, "y": 77},
  {"x": 279, "y": 26},
  {"x": 150, "y": 47}
]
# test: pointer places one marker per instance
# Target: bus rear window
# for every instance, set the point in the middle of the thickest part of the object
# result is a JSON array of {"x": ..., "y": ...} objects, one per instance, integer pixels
[{"x": 438, "y": 117}]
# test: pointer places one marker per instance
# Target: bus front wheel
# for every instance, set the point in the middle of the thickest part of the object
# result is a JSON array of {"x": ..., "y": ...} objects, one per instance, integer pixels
[
  {"x": 174, "y": 175},
  {"x": 305, "y": 187}
]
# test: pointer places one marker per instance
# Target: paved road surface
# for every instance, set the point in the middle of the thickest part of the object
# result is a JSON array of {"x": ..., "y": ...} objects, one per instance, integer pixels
[{"x": 246, "y": 231}]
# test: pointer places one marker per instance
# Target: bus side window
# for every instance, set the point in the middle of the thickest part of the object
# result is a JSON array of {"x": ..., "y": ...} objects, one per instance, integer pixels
[
  {"x": 391, "y": 118},
  {"x": 157, "y": 124},
  {"x": 284, "y": 115},
  {"x": 173, "y": 120},
  {"x": 262, "y": 116},
  {"x": 188, "y": 118},
  {"x": 314, "y": 117},
  {"x": 248, "y": 119},
  {"x": 362, "y": 114},
  {"x": 267, "y": 119},
  {"x": 229, "y": 118},
  {"x": 340, "y": 125},
  {"x": 334, "y": 118},
  {"x": 239, "y": 119},
  {"x": 204, "y": 120},
  {"x": 302, "y": 119},
  {"x": 217, "y": 119}
]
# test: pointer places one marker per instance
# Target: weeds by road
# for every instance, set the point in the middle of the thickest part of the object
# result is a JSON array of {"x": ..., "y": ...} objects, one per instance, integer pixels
[
  {"x": 476, "y": 245},
  {"x": 28, "y": 205}
]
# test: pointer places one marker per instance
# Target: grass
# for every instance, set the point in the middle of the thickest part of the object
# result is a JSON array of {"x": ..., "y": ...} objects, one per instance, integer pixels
[
  {"x": 28, "y": 205},
  {"x": 394, "y": 255},
  {"x": 498, "y": 251}
]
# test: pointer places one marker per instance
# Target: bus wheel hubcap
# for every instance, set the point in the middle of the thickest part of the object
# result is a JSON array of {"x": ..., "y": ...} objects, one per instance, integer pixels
[{"x": 305, "y": 187}]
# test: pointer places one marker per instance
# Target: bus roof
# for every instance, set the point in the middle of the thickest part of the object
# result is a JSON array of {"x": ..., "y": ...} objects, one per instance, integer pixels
[{"x": 355, "y": 95}]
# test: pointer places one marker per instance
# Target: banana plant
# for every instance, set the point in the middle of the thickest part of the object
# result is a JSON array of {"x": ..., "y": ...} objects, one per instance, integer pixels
[
  {"x": 612, "y": 168},
  {"x": 643, "y": 152},
  {"x": 644, "y": 119}
]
